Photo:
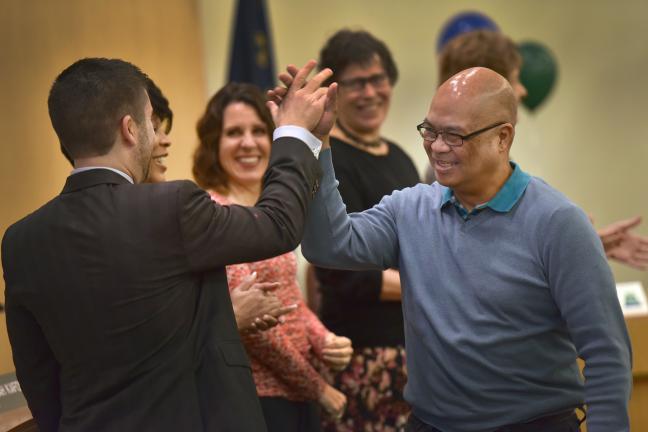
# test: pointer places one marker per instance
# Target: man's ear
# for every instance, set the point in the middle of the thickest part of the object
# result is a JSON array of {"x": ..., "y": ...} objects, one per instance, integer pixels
[
  {"x": 506, "y": 138},
  {"x": 128, "y": 130}
]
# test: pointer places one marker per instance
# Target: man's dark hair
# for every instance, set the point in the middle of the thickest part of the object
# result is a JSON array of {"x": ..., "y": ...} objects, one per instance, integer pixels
[
  {"x": 160, "y": 104},
  {"x": 479, "y": 48},
  {"x": 88, "y": 100},
  {"x": 348, "y": 47}
]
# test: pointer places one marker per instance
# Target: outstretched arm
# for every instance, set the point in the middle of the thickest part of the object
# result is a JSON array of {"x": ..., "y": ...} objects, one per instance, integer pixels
[
  {"x": 359, "y": 241},
  {"x": 333, "y": 239}
]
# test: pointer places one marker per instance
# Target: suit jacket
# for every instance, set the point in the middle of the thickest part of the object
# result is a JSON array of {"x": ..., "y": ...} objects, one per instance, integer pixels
[{"x": 117, "y": 302}]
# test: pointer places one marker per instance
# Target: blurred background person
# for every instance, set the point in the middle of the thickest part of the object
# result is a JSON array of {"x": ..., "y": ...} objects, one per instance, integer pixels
[
  {"x": 366, "y": 305},
  {"x": 496, "y": 51},
  {"x": 235, "y": 134}
]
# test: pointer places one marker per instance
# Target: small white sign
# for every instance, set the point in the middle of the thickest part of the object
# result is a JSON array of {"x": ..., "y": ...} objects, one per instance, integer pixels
[{"x": 632, "y": 298}]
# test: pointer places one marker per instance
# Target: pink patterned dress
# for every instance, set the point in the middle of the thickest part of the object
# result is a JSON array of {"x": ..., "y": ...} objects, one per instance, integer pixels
[{"x": 283, "y": 358}]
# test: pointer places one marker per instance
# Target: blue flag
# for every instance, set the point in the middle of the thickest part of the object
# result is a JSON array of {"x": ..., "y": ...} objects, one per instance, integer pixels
[{"x": 251, "y": 58}]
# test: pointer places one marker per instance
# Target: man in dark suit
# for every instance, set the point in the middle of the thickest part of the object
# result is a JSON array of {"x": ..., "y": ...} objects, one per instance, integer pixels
[{"x": 117, "y": 303}]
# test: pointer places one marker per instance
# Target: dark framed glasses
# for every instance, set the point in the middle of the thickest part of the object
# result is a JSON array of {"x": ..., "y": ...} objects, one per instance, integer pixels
[
  {"x": 358, "y": 84},
  {"x": 450, "y": 138}
]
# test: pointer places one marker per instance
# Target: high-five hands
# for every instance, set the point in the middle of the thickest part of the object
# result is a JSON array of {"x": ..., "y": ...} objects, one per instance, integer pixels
[{"x": 297, "y": 93}]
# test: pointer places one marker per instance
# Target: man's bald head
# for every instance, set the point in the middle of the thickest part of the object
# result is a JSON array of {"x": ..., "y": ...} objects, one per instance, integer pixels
[
  {"x": 468, "y": 133},
  {"x": 481, "y": 94}
]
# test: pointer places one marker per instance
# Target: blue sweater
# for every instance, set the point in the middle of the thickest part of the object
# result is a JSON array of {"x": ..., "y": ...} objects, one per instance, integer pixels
[{"x": 498, "y": 304}]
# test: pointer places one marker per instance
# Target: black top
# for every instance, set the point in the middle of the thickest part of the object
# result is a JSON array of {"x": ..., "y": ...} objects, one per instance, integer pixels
[{"x": 351, "y": 304}]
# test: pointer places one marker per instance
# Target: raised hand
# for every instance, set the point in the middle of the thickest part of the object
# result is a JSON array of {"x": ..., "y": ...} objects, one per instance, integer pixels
[
  {"x": 323, "y": 128},
  {"x": 337, "y": 351},
  {"x": 305, "y": 101},
  {"x": 277, "y": 95}
]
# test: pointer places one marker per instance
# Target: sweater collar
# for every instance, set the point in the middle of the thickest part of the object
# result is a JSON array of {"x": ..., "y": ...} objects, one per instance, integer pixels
[{"x": 505, "y": 198}]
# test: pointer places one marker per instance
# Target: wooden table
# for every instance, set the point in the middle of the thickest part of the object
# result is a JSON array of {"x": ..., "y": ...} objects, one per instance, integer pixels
[{"x": 14, "y": 419}]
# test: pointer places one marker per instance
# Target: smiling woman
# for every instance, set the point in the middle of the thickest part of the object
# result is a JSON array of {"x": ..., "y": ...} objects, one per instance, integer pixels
[
  {"x": 162, "y": 122},
  {"x": 244, "y": 151},
  {"x": 235, "y": 135}
]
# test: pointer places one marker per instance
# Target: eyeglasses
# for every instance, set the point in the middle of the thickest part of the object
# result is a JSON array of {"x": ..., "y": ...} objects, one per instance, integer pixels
[
  {"x": 450, "y": 138},
  {"x": 358, "y": 84}
]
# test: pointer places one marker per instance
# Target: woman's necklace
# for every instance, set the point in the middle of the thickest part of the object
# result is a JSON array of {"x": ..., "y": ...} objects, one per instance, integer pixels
[{"x": 372, "y": 144}]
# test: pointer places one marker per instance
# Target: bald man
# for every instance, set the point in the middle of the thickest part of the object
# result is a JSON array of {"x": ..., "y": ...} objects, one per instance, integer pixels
[
  {"x": 496, "y": 51},
  {"x": 505, "y": 283}
]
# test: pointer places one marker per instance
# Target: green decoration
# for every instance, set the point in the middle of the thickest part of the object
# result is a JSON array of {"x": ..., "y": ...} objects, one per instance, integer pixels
[{"x": 538, "y": 73}]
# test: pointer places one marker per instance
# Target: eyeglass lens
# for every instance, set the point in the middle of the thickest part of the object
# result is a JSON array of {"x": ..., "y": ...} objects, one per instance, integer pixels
[{"x": 376, "y": 81}]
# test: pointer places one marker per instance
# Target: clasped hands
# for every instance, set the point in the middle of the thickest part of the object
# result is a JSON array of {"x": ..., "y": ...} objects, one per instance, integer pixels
[{"x": 255, "y": 307}]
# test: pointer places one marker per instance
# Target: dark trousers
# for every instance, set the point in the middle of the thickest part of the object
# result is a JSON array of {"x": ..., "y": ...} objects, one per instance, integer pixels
[
  {"x": 283, "y": 415},
  {"x": 563, "y": 422}
]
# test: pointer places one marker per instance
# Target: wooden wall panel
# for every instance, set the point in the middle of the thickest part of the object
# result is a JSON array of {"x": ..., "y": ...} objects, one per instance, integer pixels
[{"x": 39, "y": 39}]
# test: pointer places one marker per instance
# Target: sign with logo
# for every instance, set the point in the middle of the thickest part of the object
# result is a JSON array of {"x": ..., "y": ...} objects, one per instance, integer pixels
[
  {"x": 11, "y": 396},
  {"x": 13, "y": 406},
  {"x": 632, "y": 298}
]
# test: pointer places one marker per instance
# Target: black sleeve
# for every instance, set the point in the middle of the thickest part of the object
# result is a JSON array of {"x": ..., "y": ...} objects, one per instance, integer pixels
[
  {"x": 36, "y": 368},
  {"x": 215, "y": 235}
]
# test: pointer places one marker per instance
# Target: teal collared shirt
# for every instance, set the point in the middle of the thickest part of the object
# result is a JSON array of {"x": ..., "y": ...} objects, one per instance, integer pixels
[{"x": 502, "y": 202}]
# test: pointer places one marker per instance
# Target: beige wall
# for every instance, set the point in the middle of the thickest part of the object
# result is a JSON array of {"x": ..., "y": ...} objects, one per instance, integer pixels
[
  {"x": 588, "y": 140},
  {"x": 39, "y": 39}
]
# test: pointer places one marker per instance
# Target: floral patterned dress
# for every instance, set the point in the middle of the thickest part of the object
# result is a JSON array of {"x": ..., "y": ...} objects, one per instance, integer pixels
[{"x": 373, "y": 383}]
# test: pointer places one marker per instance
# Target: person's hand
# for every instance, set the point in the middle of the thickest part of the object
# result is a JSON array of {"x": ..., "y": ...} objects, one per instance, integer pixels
[
  {"x": 327, "y": 121},
  {"x": 631, "y": 250},
  {"x": 304, "y": 102},
  {"x": 324, "y": 126},
  {"x": 337, "y": 351},
  {"x": 623, "y": 245},
  {"x": 255, "y": 307},
  {"x": 333, "y": 401},
  {"x": 612, "y": 234}
]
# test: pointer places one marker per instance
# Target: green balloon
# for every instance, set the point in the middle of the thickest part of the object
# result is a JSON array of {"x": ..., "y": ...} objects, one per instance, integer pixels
[{"x": 538, "y": 73}]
